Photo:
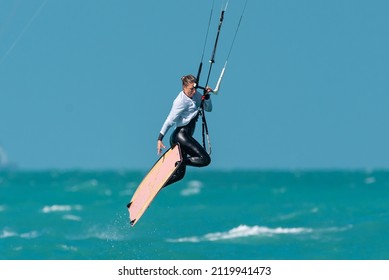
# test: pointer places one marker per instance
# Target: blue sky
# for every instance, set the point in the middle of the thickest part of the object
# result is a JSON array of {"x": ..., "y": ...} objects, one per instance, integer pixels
[{"x": 88, "y": 84}]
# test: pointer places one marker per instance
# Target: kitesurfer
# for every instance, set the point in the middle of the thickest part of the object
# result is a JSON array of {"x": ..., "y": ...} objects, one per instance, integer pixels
[{"x": 184, "y": 114}]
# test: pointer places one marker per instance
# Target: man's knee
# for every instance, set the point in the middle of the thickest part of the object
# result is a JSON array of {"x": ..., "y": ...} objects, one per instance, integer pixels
[{"x": 206, "y": 160}]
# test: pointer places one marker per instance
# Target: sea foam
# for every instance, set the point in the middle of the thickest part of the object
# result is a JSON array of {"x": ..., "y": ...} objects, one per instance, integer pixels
[
  {"x": 61, "y": 208},
  {"x": 243, "y": 231}
]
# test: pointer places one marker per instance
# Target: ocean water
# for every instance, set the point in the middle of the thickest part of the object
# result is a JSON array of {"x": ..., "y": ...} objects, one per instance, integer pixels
[{"x": 267, "y": 215}]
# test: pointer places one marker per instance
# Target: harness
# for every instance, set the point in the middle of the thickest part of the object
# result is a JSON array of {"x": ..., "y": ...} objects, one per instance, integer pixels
[{"x": 205, "y": 133}]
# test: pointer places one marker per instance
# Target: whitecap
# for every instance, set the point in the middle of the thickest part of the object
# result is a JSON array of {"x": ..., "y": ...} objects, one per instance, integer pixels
[
  {"x": 30, "y": 235},
  {"x": 290, "y": 216},
  {"x": 84, "y": 186},
  {"x": 7, "y": 233},
  {"x": 193, "y": 188},
  {"x": 244, "y": 231},
  {"x": 370, "y": 180},
  {"x": 193, "y": 239},
  {"x": 61, "y": 208},
  {"x": 71, "y": 218},
  {"x": 68, "y": 248},
  {"x": 2, "y": 208},
  {"x": 335, "y": 229}
]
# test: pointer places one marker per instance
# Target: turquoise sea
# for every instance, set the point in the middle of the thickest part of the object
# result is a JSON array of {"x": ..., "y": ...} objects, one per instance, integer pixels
[{"x": 255, "y": 214}]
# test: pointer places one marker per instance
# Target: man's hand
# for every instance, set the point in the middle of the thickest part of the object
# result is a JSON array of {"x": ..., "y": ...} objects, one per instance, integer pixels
[{"x": 160, "y": 146}]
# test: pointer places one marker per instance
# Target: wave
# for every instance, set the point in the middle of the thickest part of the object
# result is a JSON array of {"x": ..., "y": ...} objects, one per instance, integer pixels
[
  {"x": 60, "y": 208},
  {"x": 108, "y": 233},
  {"x": 370, "y": 180},
  {"x": 84, "y": 186},
  {"x": 7, "y": 233},
  {"x": 244, "y": 231},
  {"x": 193, "y": 188},
  {"x": 71, "y": 218},
  {"x": 30, "y": 235},
  {"x": 68, "y": 248}
]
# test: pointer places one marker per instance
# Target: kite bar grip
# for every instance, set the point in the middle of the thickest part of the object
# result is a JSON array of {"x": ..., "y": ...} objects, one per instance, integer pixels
[{"x": 216, "y": 90}]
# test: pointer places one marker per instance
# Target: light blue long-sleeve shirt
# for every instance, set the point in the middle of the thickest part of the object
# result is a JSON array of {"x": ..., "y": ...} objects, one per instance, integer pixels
[{"x": 184, "y": 109}]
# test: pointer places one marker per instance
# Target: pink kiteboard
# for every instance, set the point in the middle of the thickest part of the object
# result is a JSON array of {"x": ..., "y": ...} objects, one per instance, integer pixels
[{"x": 154, "y": 181}]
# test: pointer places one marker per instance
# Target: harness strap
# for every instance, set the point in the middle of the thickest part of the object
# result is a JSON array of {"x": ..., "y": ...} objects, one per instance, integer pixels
[{"x": 205, "y": 132}]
